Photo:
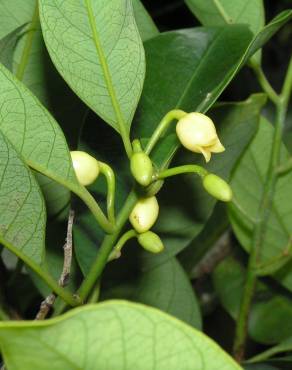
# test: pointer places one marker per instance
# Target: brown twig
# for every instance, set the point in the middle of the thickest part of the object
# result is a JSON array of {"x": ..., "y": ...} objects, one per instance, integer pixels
[{"x": 47, "y": 304}]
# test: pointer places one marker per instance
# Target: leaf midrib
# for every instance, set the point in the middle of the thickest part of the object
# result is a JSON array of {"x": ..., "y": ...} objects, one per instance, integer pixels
[{"x": 105, "y": 69}]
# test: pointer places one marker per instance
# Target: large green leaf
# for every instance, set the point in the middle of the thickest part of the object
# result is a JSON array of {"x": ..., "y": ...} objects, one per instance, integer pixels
[
  {"x": 34, "y": 132},
  {"x": 167, "y": 287},
  {"x": 193, "y": 78},
  {"x": 215, "y": 13},
  {"x": 22, "y": 209},
  {"x": 114, "y": 335},
  {"x": 247, "y": 183},
  {"x": 96, "y": 47},
  {"x": 146, "y": 26}
]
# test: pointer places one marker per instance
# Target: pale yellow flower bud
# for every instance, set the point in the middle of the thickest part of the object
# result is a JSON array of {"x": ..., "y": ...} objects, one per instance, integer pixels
[
  {"x": 144, "y": 214},
  {"x": 86, "y": 167},
  {"x": 197, "y": 133}
]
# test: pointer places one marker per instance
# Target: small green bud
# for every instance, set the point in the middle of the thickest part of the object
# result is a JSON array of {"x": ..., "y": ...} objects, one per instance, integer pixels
[
  {"x": 217, "y": 187},
  {"x": 144, "y": 214},
  {"x": 151, "y": 242},
  {"x": 86, "y": 167},
  {"x": 141, "y": 168}
]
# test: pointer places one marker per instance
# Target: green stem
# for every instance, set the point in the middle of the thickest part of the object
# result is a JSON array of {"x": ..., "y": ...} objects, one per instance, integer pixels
[
  {"x": 94, "y": 297},
  {"x": 188, "y": 168},
  {"x": 121, "y": 242},
  {"x": 107, "y": 171},
  {"x": 28, "y": 45},
  {"x": 106, "y": 248},
  {"x": 162, "y": 127},
  {"x": 263, "y": 81},
  {"x": 48, "y": 279},
  {"x": 88, "y": 199},
  {"x": 263, "y": 216}
]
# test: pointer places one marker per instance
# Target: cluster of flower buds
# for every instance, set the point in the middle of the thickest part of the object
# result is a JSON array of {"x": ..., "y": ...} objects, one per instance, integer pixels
[{"x": 196, "y": 133}]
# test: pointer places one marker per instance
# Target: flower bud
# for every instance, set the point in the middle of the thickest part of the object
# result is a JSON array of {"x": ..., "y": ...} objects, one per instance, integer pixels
[
  {"x": 197, "y": 133},
  {"x": 144, "y": 214},
  {"x": 217, "y": 187},
  {"x": 141, "y": 168},
  {"x": 151, "y": 242},
  {"x": 86, "y": 167}
]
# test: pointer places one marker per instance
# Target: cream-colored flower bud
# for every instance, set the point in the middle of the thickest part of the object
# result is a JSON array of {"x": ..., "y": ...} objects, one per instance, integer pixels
[
  {"x": 144, "y": 214},
  {"x": 197, "y": 133},
  {"x": 86, "y": 167}
]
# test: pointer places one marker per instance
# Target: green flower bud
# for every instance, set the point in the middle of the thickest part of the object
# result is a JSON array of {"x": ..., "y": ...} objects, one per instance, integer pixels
[
  {"x": 217, "y": 187},
  {"x": 141, "y": 168},
  {"x": 151, "y": 242},
  {"x": 86, "y": 167},
  {"x": 144, "y": 214}
]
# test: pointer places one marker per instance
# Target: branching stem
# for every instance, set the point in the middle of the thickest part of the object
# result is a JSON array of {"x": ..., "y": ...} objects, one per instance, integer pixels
[{"x": 281, "y": 103}]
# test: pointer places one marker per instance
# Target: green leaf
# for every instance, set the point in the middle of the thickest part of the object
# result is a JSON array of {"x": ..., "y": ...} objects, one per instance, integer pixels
[
  {"x": 218, "y": 12},
  {"x": 269, "y": 312},
  {"x": 97, "y": 49},
  {"x": 57, "y": 197},
  {"x": 146, "y": 26},
  {"x": 34, "y": 132},
  {"x": 194, "y": 78},
  {"x": 185, "y": 206},
  {"x": 228, "y": 279},
  {"x": 86, "y": 338},
  {"x": 247, "y": 183},
  {"x": 22, "y": 209},
  {"x": 7, "y": 46},
  {"x": 32, "y": 65},
  {"x": 167, "y": 287},
  {"x": 264, "y": 326}
]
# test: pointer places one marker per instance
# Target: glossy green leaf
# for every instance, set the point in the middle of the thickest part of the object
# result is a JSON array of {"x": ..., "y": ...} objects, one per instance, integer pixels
[
  {"x": 185, "y": 206},
  {"x": 167, "y": 287},
  {"x": 34, "y": 132},
  {"x": 7, "y": 46},
  {"x": 22, "y": 209},
  {"x": 218, "y": 12},
  {"x": 146, "y": 26},
  {"x": 97, "y": 49},
  {"x": 247, "y": 183},
  {"x": 139, "y": 337}
]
